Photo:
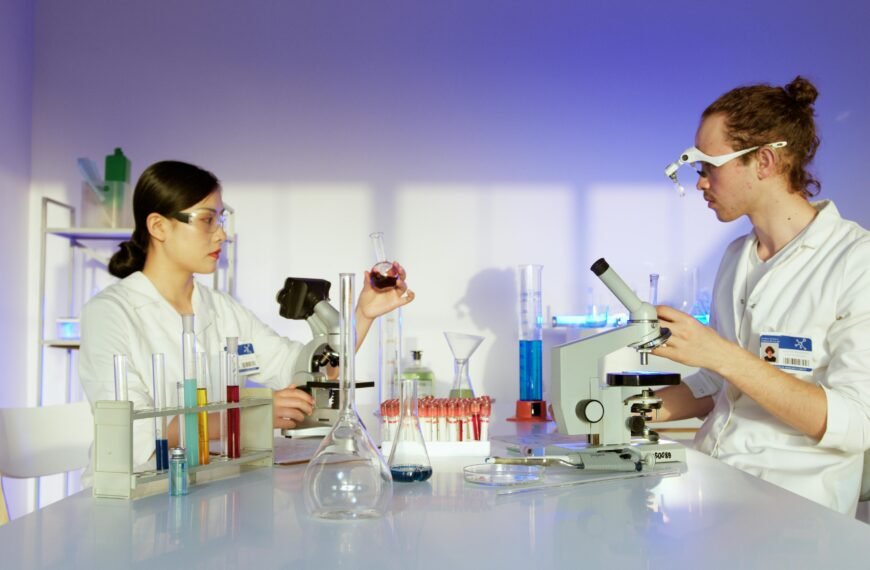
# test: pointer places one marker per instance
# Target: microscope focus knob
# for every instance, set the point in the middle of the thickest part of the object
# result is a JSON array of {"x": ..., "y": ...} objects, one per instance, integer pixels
[{"x": 590, "y": 410}]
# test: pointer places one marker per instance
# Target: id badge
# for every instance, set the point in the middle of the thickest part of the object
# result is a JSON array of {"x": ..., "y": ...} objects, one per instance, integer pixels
[
  {"x": 248, "y": 363},
  {"x": 793, "y": 353}
]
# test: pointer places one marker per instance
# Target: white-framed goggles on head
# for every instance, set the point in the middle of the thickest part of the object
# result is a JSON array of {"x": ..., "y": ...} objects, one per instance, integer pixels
[{"x": 693, "y": 156}]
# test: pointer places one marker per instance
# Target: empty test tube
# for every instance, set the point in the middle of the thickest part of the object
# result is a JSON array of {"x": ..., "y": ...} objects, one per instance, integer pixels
[{"x": 121, "y": 391}]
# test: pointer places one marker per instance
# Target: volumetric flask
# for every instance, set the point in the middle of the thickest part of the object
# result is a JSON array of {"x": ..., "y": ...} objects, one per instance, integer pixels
[
  {"x": 409, "y": 460},
  {"x": 347, "y": 477}
]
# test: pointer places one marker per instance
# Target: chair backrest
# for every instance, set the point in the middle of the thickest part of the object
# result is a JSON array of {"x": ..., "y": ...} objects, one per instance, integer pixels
[{"x": 46, "y": 440}]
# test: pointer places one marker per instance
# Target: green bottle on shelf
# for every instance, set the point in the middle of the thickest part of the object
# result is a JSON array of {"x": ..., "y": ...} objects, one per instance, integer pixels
[{"x": 424, "y": 376}]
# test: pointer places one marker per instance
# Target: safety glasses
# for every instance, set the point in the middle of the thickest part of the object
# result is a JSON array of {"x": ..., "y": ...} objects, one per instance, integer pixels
[
  {"x": 207, "y": 219},
  {"x": 694, "y": 156}
]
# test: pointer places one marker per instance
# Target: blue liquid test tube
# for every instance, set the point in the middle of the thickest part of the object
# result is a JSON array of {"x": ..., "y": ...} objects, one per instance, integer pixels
[
  {"x": 530, "y": 333},
  {"x": 191, "y": 421},
  {"x": 161, "y": 444}
]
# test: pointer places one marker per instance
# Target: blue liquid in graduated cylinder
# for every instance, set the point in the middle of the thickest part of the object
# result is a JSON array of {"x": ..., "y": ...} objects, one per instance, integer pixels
[
  {"x": 162, "y": 454},
  {"x": 530, "y": 371},
  {"x": 410, "y": 473}
]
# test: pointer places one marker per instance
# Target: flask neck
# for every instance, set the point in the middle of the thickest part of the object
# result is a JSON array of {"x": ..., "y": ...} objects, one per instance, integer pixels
[{"x": 408, "y": 391}]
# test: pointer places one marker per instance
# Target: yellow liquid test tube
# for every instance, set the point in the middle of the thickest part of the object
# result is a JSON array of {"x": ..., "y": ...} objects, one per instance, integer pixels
[{"x": 202, "y": 400}]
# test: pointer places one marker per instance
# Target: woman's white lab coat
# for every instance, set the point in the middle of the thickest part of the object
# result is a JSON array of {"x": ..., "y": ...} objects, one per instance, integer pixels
[
  {"x": 131, "y": 317},
  {"x": 816, "y": 288}
]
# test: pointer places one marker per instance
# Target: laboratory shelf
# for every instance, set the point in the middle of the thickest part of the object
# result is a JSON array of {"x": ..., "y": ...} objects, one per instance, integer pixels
[
  {"x": 91, "y": 233},
  {"x": 107, "y": 234},
  {"x": 57, "y": 343}
]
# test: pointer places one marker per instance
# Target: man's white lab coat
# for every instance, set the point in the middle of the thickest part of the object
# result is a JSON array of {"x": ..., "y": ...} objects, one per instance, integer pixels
[{"x": 817, "y": 287}]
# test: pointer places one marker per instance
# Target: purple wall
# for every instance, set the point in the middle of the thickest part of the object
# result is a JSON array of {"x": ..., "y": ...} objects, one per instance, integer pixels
[
  {"x": 477, "y": 135},
  {"x": 16, "y": 71}
]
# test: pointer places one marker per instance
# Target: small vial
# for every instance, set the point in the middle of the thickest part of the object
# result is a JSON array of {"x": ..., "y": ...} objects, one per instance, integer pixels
[{"x": 177, "y": 472}]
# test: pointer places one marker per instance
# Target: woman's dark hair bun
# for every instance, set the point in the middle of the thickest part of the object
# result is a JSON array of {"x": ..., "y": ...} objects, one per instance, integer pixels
[
  {"x": 802, "y": 91},
  {"x": 129, "y": 259}
]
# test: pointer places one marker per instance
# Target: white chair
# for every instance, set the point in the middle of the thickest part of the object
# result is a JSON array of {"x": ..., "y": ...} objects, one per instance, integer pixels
[
  {"x": 43, "y": 441},
  {"x": 865, "y": 480}
]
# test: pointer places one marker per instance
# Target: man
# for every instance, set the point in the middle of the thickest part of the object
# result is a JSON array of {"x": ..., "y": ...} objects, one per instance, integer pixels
[{"x": 798, "y": 284}]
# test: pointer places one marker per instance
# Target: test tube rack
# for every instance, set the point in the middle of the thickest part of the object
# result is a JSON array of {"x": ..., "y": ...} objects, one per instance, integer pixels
[{"x": 114, "y": 476}]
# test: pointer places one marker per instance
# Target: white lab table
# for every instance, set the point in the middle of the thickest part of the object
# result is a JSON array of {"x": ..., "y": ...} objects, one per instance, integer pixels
[{"x": 712, "y": 516}]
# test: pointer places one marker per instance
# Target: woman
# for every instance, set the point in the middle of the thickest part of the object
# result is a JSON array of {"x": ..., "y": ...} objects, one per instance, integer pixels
[{"x": 179, "y": 231}]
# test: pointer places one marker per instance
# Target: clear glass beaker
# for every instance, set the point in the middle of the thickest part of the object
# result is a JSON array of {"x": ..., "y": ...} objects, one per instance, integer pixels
[
  {"x": 409, "y": 460},
  {"x": 462, "y": 346},
  {"x": 347, "y": 478},
  {"x": 531, "y": 333}
]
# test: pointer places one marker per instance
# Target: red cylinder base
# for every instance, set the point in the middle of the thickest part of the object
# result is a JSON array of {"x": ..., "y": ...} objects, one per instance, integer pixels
[{"x": 531, "y": 411}]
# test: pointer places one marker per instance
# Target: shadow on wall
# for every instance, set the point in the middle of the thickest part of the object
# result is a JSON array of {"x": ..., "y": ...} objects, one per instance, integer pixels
[{"x": 490, "y": 301}]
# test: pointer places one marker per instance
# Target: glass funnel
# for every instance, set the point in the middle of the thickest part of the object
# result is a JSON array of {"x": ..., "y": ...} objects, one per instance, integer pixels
[
  {"x": 462, "y": 346},
  {"x": 347, "y": 478},
  {"x": 409, "y": 460}
]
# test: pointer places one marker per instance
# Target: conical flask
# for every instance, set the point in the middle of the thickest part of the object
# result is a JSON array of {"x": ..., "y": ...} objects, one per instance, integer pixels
[
  {"x": 462, "y": 346},
  {"x": 347, "y": 478},
  {"x": 409, "y": 460}
]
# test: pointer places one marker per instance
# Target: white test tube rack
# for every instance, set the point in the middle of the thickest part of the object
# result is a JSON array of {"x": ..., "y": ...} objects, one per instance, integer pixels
[{"x": 113, "y": 445}]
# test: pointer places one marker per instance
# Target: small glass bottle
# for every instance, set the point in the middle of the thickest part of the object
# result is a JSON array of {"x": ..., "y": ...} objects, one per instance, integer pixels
[
  {"x": 177, "y": 472},
  {"x": 409, "y": 460},
  {"x": 423, "y": 375}
]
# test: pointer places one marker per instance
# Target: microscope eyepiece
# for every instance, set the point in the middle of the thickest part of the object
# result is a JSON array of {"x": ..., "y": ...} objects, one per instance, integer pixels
[{"x": 599, "y": 267}]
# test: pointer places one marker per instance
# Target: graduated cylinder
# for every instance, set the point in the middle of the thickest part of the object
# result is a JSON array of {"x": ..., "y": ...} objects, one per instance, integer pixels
[{"x": 530, "y": 332}]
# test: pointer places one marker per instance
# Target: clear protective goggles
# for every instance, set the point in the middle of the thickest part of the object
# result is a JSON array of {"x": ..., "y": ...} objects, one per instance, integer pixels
[
  {"x": 693, "y": 156},
  {"x": 207, "y": 219}
]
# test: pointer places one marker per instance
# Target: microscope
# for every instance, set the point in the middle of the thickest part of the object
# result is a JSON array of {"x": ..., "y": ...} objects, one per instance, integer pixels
[
  {"x": 606, "y": 407},
  {"x": 308, "y": 299}
]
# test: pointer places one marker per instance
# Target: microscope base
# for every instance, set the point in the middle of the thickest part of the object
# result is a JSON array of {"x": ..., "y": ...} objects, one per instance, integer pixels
[{"x": 664, "y": 451}]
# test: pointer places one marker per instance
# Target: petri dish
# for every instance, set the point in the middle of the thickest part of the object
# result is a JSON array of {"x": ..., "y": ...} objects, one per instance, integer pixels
[{"x": 503, "y": 475}]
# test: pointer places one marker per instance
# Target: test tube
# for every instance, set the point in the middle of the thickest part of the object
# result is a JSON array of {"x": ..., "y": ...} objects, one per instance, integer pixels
[
  {"x": 121, "y": 392},
  {"x": 182, "y": 435},
  {"x": 531, "y": 333},
  {"x": 202, "y": 380},
  {"x": 222, "y": 395},
  {"x": 161, "y": 444},
  {"x": 653, "y": 288},
  {"x": 188, "y": 353},
  {"x": 234, "y": 415}
]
